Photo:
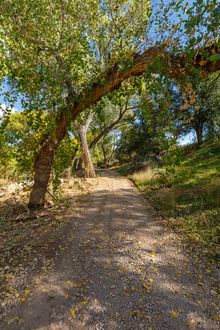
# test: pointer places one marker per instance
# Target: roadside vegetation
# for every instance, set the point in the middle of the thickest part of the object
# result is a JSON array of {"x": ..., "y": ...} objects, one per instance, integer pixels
[
  {"x": 92, "y": 85},
  {"x": 187, "y": 193}
]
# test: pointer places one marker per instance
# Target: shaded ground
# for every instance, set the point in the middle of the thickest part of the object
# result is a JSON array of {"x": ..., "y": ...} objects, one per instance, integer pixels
[{"x": 115, "y": 267}]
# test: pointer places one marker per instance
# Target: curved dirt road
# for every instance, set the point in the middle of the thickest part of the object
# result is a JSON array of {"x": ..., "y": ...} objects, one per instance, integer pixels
[{"x": 118, "y": 269}]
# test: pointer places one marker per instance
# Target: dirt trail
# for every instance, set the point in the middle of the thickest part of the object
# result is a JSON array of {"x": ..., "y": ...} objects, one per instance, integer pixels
[{"x": 118, "y": 269}]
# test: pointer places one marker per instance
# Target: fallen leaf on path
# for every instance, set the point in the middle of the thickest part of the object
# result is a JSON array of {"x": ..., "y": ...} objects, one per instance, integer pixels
[
  {"x": 151, "y": 280},
  {"x": 159, "y": 316},
  {"x": 148, "y": 317},
  {"x": 216, "y": 317},
  {"x": 188, "y": 294},
  {"x": 26, "y": 292},
  {"x": 192, "y": 323},
  {"x": 133, "y": 289},
  {"x": 10, "y": 321},
  {"x": 174, "y": 314},
  {"x": 73, "y": 312},
  {"x": 85, "y": 301},
  {"x": 69, "y": 282},
  {"x": 147, "y": 288}
]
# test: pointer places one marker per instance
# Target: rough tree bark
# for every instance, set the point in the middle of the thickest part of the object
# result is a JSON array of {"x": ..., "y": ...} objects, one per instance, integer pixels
[
  {"x": 85, "y": 152},
  {"x": 176, "y": 66},
  {"x": 199, "y": 133}
]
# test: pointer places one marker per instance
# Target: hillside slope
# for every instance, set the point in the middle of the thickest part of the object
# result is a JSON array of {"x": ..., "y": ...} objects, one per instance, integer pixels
[{"x": 188, "y": 193}]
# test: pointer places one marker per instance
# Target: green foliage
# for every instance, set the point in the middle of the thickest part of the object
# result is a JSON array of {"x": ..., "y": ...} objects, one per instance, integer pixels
[
  {"x": 21, "y": 134},
  {"x": 51, "y": 51},
  {"x": 192, "y": 202},
  {"x": 63, "y": 160}
]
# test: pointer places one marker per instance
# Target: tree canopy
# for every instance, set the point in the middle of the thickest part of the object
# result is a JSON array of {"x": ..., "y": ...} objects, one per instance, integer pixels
[{"x": 63, "y": 56}]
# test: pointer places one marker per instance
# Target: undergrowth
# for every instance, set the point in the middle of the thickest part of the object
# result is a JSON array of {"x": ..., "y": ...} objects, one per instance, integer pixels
[{"x": 187, "y": 193}]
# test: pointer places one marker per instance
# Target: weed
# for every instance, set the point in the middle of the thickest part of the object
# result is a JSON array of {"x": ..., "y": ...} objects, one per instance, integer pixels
[{"x": 189, "y": 195}]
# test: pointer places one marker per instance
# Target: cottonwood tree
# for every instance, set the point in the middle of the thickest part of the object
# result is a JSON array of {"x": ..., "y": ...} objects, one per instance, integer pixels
[
  {"x": 85, "y": 157},
  {"x": 108, "y": 115},
  {"x": 200, "y": 108},
  {"x": 67, "y": 55}
]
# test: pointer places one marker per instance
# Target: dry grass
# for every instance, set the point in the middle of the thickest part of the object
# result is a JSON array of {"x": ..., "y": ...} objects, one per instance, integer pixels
[
  {"x": 188, "y": 195},
  {"x": 14, "y": 198},
  {"x": 143, "y": 176}
]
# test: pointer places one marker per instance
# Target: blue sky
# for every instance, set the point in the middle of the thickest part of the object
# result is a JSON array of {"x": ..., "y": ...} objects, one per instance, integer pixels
[
  {"x": 17, "y": 105},
  {"x": 6, "y": 88}
]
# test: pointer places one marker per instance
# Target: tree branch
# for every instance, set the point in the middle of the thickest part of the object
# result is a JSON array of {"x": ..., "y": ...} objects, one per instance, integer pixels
[{"x": 177, "y": 66}]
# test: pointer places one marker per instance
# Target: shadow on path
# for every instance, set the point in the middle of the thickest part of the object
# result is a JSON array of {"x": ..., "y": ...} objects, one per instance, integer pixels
[{"x": 116, "y": 268}]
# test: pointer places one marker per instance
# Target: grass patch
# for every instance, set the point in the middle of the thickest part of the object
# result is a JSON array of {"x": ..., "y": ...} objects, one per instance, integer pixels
[
  {"x": 189, "y": 197},
  {"x": 143, "y": 177}
]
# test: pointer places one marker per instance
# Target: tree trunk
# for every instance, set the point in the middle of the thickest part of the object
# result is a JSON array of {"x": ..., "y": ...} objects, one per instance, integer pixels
[
  {"x": 199, "y": 132},
  {"x": 42, "y": 169},
  {"x": 114, "y": 78},
  {"x": 85, "y": 153},
  {"x": 86, "y": 157},
  {"x": 104, "y": 152},
  {"x": 43, "y": 162}
]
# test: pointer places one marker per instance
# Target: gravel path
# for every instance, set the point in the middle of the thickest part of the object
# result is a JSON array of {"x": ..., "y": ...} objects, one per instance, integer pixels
[{"x": 117, "y": 268}]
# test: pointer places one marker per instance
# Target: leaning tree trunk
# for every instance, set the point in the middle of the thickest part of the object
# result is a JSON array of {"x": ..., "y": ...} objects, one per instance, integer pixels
[
  {"x": 85, "y": 153},
  {"x": 44, "y": 161},
  {"x": 114, "y": 78}
]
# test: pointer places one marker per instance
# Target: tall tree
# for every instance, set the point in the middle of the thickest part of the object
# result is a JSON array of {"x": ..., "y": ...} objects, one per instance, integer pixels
[
  {"x": 66, "y": 56},
  {"x": 85, "y": 155}
]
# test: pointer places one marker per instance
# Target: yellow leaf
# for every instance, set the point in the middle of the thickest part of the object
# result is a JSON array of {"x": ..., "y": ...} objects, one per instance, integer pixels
[
  {"x": 140, "y": 314},
  {"x": 152, "y": 254},
  {"x": 78, "y": 286},
  {"x": 133, "y": 289},
  {"x": 69, "y": 282},
  {"x": 23, "y": 299},
  {"x": 10, "y": 321},
  {"x": 27, "y": 292},
  {"x": 151, "y": 280},
  {"x": 73, "y": 312},
  {"x": 148, "y": 317},
  {"x": 159, "y": 316},
  {"x": 188, "y": 294},
  {"x": 147, "y": 288},
  {"x": 85, "y": 301},
  {"x": 216, "y": 317},
  {"x": 174, "y": 314}
]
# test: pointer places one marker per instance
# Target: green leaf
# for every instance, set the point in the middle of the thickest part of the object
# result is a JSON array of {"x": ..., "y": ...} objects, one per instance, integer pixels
[{"x": 214, "y": 58}]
